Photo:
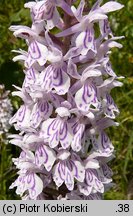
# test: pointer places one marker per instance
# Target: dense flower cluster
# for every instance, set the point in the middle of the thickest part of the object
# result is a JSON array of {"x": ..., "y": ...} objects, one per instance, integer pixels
[
  {"x": 5, "y": 110},
  {"x": 67, "y": 104}
]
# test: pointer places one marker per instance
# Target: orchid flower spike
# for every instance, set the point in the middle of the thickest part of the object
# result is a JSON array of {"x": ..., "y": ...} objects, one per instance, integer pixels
[{"x": 67, "y": 104}]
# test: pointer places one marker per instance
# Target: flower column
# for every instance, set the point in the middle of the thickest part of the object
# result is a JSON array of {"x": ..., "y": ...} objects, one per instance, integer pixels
[{"x": 67, "y": 104}]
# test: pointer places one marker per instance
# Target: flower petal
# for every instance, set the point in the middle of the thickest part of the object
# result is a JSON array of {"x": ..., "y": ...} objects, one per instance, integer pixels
[
  {"x": 78, "y": 170},
  {"x": 54, "y": 19},
  {"x": 50, "y": 130},
  {"x": 62, "y": 112},
  {"x": 55, "y": 55},
  {"x": 45, "y": 155},
  {"x": 22, "y": 117},
  {"x": 59, "y": 174},
  {"x": 110, "y": 107},
  {"x": 87, "y": 73},
  {"x": 86, "y": 97},
  {"x": 86, "y": 40},
  {"x": 96, "y": 5},
  {"x": 41, "y": 111},
  {"x": 46, "y": 78},
  {"x": 105, "y": 28},
  {"x": 31, "y": 77},
  {"x": 96, "y": 16},
  {"x": 92, "y": 179},
  {"x": 64, "y": 135},
  {"x": 37, "y": 52},
  {"x": 105, "y": 144},
  {"x": 69, "y": 31},
  {"x": 42, "y": 10},
  {"x": 72, "y": 52},
  {"x": 91, "y": 163},
  {"x": 61, "y": 81},
  {"x": 78, "y": 12},
  {"x": 72, "y": 70},
  {"x": 111, "y": 6},
  {"x": 108, "y": 68},
  {"x": 85, "y": 189},
  {"x": 77, "y": 137},
  {"x": 69, "y": 180},
  {"x": 34, "y": 185}
]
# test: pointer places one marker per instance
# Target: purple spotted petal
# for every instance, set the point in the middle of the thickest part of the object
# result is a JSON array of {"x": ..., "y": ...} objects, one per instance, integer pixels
[
  {"x": 41, "y": 111},
  {"x": 105, "y": 174},
  {"x": 92, "y": 17},
  {"x": 86, "y": 40},
  {"x": 105, "y": 28},
  {"x": 93, "y": 181},
  {"x": 20, "y": 184},
  {"x": 21, "y": 113},
  {"x": 104, "y": 143},
  {"x": 69, "y": 180},
  {"x": 110, "y": 107},
  {"x": 72, "y": 52},
  {"x": 46, "y": 78},
  {"x": 42, "y": 10},
  {"x": 86, "y": 97},
  {"x": 78, "y": 170},
  {"x": 37, "y": 52},
  {"x": 64, "y": 135},
  {"x": 78, "y": 132},
  {"x": 61, "y": 81},
  {"x": 50, "y": 130},
  {"x": 31, "y": 77},
  {"x": 56, "y": 130},
  {"x": 34, "y": 185},
  {"x": 59, "y": 173},
  {"x": 108, "y": 68},
  {"x": 30, "y": 182},
  {"x": 22, "y": 117},
  {"x": 45, "y": 156},
  {"x": 55, "y": 78}
]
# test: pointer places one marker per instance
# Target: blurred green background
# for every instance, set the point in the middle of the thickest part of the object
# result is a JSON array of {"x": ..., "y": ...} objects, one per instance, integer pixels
[{"x": 12, "y": 13}]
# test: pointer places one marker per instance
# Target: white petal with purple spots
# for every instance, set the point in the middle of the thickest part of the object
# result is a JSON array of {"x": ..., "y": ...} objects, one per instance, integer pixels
[
  {"x": 45, "y": 156},
  {"x": 41, "y": 111},
  {"x": 86, "y": 97}
]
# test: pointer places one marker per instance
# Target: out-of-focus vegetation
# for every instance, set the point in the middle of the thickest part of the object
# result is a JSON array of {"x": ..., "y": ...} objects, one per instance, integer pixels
[{"x": 12, "y": 13}]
